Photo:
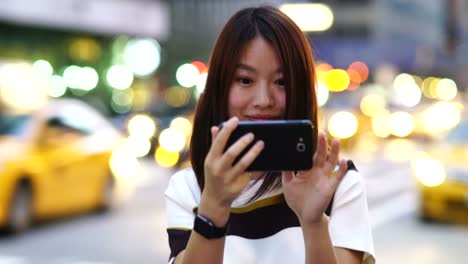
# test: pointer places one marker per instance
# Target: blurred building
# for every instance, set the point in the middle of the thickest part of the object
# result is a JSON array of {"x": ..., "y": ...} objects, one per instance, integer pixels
[
  {"x": 418, "y": 36},
  {"x": 422, "y": 37}
]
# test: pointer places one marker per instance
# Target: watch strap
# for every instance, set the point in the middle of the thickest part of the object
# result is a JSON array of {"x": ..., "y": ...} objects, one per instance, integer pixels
[{"x": 206, "y": 228}]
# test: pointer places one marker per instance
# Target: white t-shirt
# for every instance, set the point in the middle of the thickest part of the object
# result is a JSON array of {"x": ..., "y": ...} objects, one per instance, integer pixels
[{"x": 266, "y": 230}]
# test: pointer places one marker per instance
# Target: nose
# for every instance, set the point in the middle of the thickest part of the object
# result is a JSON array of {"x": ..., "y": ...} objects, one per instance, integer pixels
[{"x": 264, "y": 96}]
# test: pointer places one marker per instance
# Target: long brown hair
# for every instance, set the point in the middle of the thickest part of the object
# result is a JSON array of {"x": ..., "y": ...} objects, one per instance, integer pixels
[{"x": 296, "y": 59}]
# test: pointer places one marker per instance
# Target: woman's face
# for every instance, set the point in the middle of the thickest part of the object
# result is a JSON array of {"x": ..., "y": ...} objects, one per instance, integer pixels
[{"x": 258, "y": 89}]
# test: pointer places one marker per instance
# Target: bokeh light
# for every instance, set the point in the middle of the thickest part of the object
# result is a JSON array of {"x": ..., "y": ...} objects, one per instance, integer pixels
[
  {"x": 141, "y": 126},
  {"x": 401, "y": 124},
  {"x": 84, "y": 49},
  {"x": 44, "y": 68},
  {"x": 122, "y": 101},
  {"x": 22, "y": 88},
  {"x": 142, "y": 56},
  {"x": 446, "y": 89},
  {"x": 343, "y": 125},
  {"x": 176, "y": 96},
  {"x": 172, "y": 140},
  {"x": 187, "y": 75},
  {"x": 359, "y": 68},
  {"x": 201, "y": 66},
  {"x": 441, "y": 117},
  {"x": 57, "y": 86},
  {"x": 119, "y": 77},
  {"x": 123, "y": 164},
  {"x": 309, "y": 16},
  {"x": 166, "y": 158},
  {"x": 183, "y": 125},
  {"x": 380, "y": 124},
  {"x": 372, "y": 104},
  {"x": 81, "y": 78},
  {"x": 138, "y": 146},
  {"x": 428, "y": 171},
  {"x": 201, "y": 83},
  {"x": 405, "y": 91},
  {"x": 337, "y": 80},
  {"x": 322, "y": 93}
]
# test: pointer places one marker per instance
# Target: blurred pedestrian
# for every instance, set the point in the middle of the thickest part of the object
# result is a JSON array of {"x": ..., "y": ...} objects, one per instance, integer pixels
[{"x": 261, "y": 68}]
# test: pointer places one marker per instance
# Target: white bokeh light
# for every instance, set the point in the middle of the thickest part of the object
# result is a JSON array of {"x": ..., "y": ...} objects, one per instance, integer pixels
[
  {"x": 58, "y": 87},
  {"x": 142, "y": 56},
  {"x": 187, "y": 75},
  {"x": 119, "y": 77},
  {"x": 322, "y": 93}
]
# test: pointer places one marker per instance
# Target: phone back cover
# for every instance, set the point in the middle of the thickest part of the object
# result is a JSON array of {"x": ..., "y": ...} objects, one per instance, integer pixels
[{"x": 288, "y": 144}]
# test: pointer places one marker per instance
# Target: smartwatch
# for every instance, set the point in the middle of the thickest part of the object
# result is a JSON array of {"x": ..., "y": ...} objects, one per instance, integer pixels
[{"x": 206, "y": 228}]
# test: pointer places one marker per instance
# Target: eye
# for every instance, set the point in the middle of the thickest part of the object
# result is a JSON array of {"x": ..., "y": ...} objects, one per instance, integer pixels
[
  {"x": 244, "y": 80},
  {"x": 280, "y": 82}
]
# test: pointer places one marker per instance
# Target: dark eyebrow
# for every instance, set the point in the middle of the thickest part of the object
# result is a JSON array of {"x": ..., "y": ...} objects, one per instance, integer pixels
[
  {"x": 245, "y": 67},
  {"x": 252, "y": 69}
]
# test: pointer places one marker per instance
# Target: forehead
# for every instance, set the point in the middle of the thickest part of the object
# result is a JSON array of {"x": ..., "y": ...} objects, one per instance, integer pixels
[{"x": 259, "y": 52}]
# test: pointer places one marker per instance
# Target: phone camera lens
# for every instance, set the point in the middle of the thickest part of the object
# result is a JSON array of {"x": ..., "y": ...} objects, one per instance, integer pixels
[{"x": 300, "y": 147}]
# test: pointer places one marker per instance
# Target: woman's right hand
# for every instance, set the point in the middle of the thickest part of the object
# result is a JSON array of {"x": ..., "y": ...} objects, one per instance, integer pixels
[{"x": 224, "y": 181}]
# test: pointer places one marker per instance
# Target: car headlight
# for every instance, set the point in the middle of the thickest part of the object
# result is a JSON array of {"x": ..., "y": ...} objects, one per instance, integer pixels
[{"x": 429, "y": 171}]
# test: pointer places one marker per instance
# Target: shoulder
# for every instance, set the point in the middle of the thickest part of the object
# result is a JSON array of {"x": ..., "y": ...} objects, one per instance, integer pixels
[
  {"x": 182, "y": 183},
  {"x": 352, "y": 184}
]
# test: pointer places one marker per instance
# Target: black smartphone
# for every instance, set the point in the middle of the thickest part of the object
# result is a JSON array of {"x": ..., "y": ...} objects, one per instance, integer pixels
[{"x": 288, "y": 144}]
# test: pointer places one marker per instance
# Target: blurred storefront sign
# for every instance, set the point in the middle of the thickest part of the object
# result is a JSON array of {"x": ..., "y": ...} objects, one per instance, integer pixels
[{"x": 142, "y": 18}]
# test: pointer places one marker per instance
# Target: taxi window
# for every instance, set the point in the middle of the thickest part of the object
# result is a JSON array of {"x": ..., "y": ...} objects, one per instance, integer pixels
[
  {"x": 80, "y": 118},
  {"x": 57, "y": 122},
  {"x": 13, "y": 125}
]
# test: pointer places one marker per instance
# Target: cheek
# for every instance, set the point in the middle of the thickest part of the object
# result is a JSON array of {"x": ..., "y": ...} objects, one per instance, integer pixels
[
  {"x": 281, "y": 99},
  {"x": 236, "y": 101}
]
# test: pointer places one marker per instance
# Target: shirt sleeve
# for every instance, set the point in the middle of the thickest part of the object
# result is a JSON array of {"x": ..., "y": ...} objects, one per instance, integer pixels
[
  {"x": 349, "y": 224},
  {"x": 180, "y": 198}
]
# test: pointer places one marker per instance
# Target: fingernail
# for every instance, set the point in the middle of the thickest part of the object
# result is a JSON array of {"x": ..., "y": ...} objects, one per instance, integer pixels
[
  {"x": 261, "y": 143},
  {"x": 233, "y": 119}
]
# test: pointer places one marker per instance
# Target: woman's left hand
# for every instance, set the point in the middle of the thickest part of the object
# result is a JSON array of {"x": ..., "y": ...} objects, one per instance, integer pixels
[{"x": 308, "y": 193}]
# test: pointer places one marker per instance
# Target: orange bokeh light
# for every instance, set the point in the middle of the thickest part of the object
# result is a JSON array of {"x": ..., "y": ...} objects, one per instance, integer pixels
[
  {"x": 360, "y": 68},
  {"x": 201, "y": 66},
  {"x": 324, "y": 67}
]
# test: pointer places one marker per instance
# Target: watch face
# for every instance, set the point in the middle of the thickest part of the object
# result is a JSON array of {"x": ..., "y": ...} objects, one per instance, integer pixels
[{"x": 207, "y": 229}]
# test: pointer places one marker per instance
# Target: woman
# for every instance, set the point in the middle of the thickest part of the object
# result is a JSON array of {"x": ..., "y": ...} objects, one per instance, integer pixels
[{"x": 262, "y": 68}]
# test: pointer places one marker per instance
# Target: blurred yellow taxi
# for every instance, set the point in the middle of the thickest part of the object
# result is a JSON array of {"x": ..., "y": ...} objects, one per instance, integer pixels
[
  {"x": 59, "y": 160},
  {"x": 442, "y": 173}
]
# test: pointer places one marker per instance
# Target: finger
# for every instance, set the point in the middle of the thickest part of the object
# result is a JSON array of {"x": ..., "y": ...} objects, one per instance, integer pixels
[
  {"x": 249, "y": 157},
  {"x": 214, "y": 133},
  {"x": 321, "y": 154},
  {"x": 235, "y": 149},
  {"x": 334, "y": 153},
  {"x": 340, "y": 172},
  {"x": 217, "y": 146}
]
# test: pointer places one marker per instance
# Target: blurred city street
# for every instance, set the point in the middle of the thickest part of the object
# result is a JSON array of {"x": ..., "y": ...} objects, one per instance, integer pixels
[
  {"x": 97, "y": 103},
  {"x": 135, "y": 233}
]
